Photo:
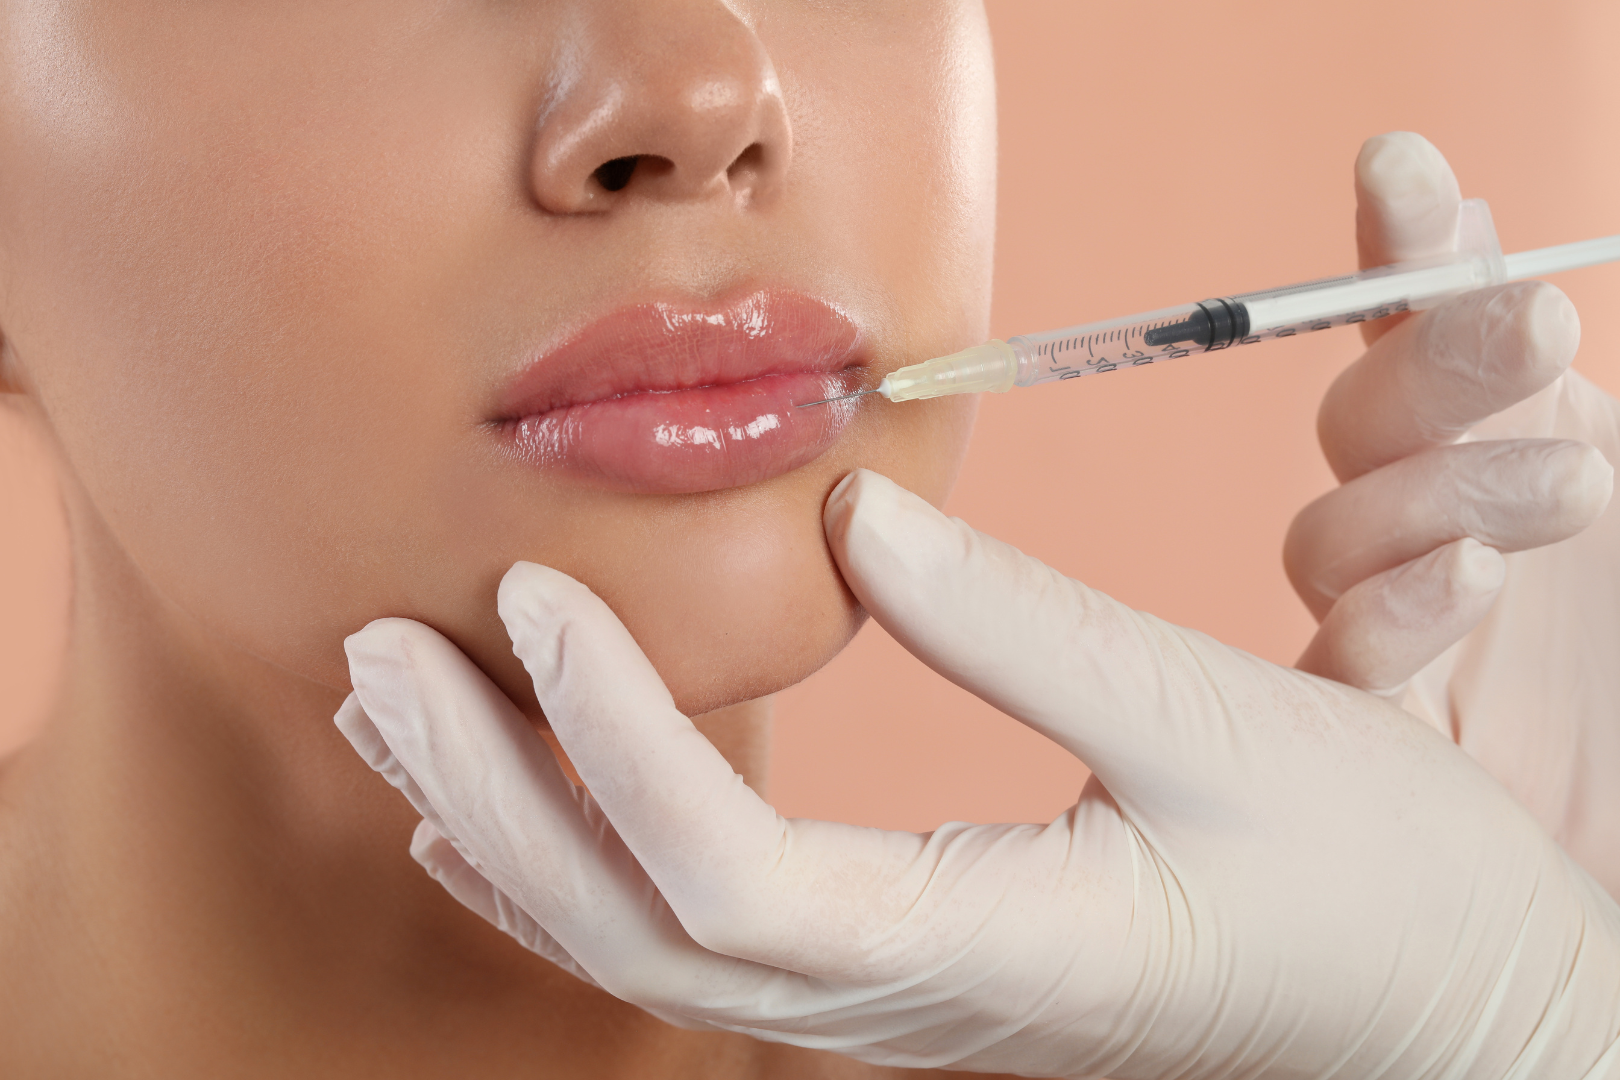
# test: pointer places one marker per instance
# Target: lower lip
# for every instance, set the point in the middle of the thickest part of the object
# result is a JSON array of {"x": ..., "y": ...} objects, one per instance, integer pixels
[{"x": 683, "y": 441}]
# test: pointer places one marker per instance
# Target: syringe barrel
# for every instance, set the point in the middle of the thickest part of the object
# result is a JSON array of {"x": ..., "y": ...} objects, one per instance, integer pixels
[
  {"x": 1100, "y": 347},
  {"x": 1223, "y": 322},
  {"x": 1210, "y": 325}
]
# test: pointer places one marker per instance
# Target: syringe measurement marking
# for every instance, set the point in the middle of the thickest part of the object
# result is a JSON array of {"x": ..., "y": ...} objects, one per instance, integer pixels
[{"x": 1096, "y": 365}]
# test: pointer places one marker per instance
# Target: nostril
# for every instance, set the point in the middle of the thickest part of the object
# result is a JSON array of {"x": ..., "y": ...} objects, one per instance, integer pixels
[
  {"x": 752, "y": 159},
  {"x": 615, "y": 175}
]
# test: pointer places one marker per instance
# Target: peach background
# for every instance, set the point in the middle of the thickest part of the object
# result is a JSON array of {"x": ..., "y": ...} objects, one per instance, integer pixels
[{"x": 1151, "y": 153}]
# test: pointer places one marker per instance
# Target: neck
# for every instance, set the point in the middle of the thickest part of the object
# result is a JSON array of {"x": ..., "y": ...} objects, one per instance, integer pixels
[{"x": 208, "y": 875}]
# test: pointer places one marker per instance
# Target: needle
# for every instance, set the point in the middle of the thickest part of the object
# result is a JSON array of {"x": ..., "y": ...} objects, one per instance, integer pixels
[{"x": 829, "y": 401}]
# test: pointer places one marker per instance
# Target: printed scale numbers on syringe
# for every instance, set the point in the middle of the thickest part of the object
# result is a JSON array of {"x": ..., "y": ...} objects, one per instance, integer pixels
[
  {"x": 1244, "y": 319},
  {"x": 1147, "y": 340}
]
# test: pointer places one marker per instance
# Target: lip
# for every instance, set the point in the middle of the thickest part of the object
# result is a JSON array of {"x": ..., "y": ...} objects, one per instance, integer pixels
[{"x": 670, "y": 399}]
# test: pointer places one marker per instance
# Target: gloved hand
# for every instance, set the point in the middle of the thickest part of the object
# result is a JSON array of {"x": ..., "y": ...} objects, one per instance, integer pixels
[
  {"x": 1269, "y": 875},
  {"x": 1534, "y": 693}
]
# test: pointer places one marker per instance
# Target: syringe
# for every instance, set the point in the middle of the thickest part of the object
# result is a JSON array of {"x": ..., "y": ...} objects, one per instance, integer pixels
[{"x": 1224, "y": 322}]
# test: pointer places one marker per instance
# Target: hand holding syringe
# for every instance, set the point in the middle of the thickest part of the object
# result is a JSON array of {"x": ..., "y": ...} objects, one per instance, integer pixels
[{"x": 1171, "y": 333}]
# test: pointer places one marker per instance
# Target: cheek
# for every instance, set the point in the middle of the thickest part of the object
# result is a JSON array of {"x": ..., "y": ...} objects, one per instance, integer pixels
[{"x": 230, "y": 313}]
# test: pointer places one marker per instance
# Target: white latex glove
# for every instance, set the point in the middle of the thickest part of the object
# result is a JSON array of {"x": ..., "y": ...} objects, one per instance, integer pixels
[
  {"x": 1534, "y": 693},
  {"x": 1270, "y": 875}
]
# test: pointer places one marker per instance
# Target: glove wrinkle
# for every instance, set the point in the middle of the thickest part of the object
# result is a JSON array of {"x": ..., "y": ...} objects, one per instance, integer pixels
[
  {"x": 1510, "y": 495},
  {"x": 1429, "y": 380},
  {"x": 1385, "y": 629}
]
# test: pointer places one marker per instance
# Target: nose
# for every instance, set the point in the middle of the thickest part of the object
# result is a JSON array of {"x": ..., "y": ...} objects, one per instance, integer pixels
[{"x": 666, "y": 100}]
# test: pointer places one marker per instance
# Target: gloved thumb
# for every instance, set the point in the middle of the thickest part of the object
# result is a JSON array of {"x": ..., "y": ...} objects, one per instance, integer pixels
[
  {"x": 1130, "y": 695},
  {"x": 1406, "y": 206}
]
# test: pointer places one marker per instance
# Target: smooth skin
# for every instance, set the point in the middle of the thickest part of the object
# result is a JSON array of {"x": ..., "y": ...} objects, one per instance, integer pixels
[{"x": 263, "y": 271}]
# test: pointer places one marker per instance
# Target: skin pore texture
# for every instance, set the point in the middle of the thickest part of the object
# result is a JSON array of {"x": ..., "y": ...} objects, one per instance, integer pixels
[{"x": 267, "y": 275}]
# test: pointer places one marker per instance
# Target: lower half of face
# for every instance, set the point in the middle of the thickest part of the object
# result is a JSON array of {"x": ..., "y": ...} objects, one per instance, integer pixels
[
  {"x": 317, "y": 352},
  {"x": 732, "y": 593}
]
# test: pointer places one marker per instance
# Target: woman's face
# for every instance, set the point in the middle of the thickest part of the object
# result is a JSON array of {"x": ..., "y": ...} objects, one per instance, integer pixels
[{"x": 337, "y": 308}]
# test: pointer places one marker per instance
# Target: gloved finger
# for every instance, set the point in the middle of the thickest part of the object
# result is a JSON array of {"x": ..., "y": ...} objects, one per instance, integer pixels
[
  {"x": 438, "y": 855},
  {"x": 1428, "y": 381},
  {"x": 1386, "y": 629},
  {"x": 445, "y": 863},
  {"x": 1511, "y": 495},
  {"x": 1406, "y": 207},
  {"x": 436, "y": 852},
  {"x": 368, "y": 742},
  {"x": 1127, "y": 693},
  {"x": 822, "y": 898},
  {"x": 521, "y": 824}
]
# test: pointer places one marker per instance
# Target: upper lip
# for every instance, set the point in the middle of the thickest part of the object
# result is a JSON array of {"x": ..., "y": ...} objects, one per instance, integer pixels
[{"x": 663, "y": 347}]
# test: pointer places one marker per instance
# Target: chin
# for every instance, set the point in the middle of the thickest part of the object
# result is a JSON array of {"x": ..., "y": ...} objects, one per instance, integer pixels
[
  {"x": 716, "y": 640},
  {"x": 731, "y": 595},
  {"x": 731, "y": 669}
]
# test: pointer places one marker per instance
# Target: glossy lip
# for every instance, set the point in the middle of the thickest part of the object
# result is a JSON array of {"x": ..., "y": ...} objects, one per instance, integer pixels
[{"x": 672, "y": 399}]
